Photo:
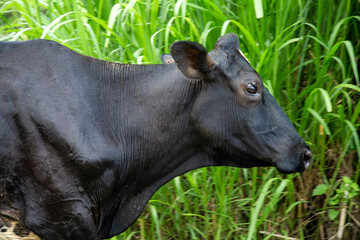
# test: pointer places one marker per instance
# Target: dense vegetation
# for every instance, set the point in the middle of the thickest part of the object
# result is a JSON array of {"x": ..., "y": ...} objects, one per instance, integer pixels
[{"x": 307, "y": 53}]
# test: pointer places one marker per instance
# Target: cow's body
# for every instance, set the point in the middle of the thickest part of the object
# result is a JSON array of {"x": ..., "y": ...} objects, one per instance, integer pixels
[{"x": 85, "y": 143}]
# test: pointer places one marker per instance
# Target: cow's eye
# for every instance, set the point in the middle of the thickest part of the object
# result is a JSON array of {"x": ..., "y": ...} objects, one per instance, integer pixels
[{"x": 251, "y": 88}]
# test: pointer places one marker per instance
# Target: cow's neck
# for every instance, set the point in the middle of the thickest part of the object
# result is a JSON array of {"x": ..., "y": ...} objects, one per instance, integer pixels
[{"x": 147, "y": 111}]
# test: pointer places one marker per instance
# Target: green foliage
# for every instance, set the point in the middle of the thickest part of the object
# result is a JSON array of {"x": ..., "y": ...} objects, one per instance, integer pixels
[
  {"x": 320, "y": 189},
  {"x": 345, "y": 192},
  {"x": 344, "y": 195},
  {"x": 307, "y": 53}
]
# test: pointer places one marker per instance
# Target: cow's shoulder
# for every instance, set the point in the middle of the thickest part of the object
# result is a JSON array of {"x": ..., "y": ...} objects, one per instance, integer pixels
[{"x": 46, "y": 45}]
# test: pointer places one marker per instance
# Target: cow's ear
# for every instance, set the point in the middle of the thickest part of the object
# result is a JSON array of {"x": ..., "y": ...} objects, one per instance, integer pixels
[
  {"x": 228, "y": 43},
  {"x": 192, "y": 59},
  {"x": 167, "y": 58}
]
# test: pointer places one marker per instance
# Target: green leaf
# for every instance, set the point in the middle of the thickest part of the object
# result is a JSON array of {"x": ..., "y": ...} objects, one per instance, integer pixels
[
  {"x": 334, "y": 201},
  {"x": 346, "y": 85},
  {"x": 351, "y": 52},
  {"x": 347, "y": 180},
  {"x": 258, "y": 8},
  {"x": 326, "y": 98},
  {"x": 332, "y": 213},
  {"x": 321, "y": 121},
  {"x": 320, "y": 189}
]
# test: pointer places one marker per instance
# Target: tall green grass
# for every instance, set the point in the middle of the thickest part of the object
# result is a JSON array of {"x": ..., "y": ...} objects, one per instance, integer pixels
[{"x": 307, "y": 53}]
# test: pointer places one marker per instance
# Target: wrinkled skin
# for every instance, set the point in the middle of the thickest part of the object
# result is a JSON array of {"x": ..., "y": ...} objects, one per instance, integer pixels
[{"x": 85, "y": 143}]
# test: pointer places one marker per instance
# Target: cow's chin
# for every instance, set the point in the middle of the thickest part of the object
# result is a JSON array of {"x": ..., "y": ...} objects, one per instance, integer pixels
[
  {"x": 256, "y": 163},
  {"x": 291, "y": 166},
  {"x": 244, "y": 161}
]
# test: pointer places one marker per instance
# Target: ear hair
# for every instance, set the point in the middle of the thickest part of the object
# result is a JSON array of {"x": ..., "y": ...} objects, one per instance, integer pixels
[{"x": 167, "y": 58}]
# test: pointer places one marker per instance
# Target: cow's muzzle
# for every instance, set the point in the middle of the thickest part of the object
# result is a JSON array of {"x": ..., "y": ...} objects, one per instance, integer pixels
[{"x": 298, "y": 161}]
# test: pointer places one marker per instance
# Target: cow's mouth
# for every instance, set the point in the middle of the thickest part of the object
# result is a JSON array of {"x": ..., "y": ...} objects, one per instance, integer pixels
[{"x": 286, "y": 165}]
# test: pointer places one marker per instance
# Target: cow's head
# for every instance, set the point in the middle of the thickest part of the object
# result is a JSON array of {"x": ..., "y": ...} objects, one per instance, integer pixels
[{"x": 237, "y": 119}]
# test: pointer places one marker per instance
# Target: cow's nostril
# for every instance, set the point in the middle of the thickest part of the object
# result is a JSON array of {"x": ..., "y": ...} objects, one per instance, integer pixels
[{"x": 307, "y": 158}]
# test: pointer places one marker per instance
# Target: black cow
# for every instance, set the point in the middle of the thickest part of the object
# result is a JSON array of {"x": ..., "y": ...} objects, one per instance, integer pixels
[{"x": 85, "y": 143}]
